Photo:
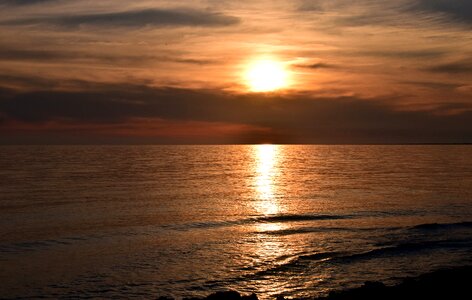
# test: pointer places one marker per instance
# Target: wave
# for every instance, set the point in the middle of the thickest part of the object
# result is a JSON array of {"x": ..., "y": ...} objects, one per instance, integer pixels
[
  {"x": 451, "y": 282},
  {"x": 420, "y": 227},
  {"x": 396, "y": 250},
  {"x": 441, "y": 226},
  {"x": 320, "y": 256},
  {"x": 26, "y": 246},
  {"x": 288, "y": 264},
  {"x": 281, "y": 218},
  {"x": 289, "y": 218},
  {"x": 30, "y": 246},
  {"x": 43, "y": 244},
  {"x": 349, "y": 257},
  {"x": 405, "y": 248},
  {"x": 300, "y": 262},
  {"x": 301, "y": 230},
  {"x": 305, "y": 230},
  {"x": 339, "y": 257}
]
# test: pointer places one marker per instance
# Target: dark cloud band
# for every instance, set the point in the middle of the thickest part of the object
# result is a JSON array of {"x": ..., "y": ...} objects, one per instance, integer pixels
[
  {"x": 460, "y": 10},
  {"x": 348, "y": 119},
  {"x": 459, "y": 67},
  {"x": 137, "y": 18},
  {"x": 25, "y": 2}
]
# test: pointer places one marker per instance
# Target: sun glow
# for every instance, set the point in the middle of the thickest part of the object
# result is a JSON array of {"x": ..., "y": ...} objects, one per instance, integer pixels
[{"x": 266, "y": 75}]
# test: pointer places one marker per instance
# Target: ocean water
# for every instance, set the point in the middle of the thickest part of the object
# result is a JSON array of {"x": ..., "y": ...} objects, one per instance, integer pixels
[{"x": 149, "y": 221}]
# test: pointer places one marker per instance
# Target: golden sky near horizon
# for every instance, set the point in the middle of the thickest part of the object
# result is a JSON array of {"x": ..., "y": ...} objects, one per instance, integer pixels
[{"x": 410, "y": 55}]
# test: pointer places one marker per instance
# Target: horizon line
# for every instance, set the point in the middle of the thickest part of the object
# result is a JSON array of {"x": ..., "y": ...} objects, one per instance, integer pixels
[{"x": 235, "y": 144}]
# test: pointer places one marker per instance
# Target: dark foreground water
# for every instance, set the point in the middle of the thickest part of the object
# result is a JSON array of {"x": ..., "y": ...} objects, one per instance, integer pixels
[{"x": 147, "y": 221}]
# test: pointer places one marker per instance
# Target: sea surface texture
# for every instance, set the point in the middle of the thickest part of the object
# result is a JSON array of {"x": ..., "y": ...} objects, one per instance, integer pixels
[{"x": 149, "y": 221}]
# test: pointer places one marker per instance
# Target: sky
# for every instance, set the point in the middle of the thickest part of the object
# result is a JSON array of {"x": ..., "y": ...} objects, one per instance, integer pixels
[{"x": 160, "y": 72}]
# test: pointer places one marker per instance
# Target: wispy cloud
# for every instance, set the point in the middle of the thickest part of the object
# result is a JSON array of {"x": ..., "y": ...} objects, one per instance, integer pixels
[
  {"x": 316, "y": 66},
  {"x": 134, "y": 18},
  {"x": 58, "y": 56},
  {"x": 458, "y": 67},
  {"x": 456, "y": 10},
  {"x": 25, "y": 2},
  {"x": 375, "y": 13},
  {"x": 433, "y": 84}
]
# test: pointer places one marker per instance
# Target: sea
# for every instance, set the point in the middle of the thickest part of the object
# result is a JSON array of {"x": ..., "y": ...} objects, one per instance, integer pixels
[{"x": 186, "y": 221}]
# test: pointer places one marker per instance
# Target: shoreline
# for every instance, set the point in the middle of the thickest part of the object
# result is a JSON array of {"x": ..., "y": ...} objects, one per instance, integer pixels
[{"x": 449, "y": 283}]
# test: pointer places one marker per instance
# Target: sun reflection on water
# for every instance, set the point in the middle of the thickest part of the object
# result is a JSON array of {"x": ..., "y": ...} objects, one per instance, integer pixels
[
  {"x": 267, "y": 159},
  {"x": 268, "y": 249}
]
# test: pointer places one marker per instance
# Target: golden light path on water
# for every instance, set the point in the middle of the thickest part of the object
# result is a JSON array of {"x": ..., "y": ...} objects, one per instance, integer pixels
[
  {"x": 267, "y": 203},
  {"x": 267, "y": 159}
]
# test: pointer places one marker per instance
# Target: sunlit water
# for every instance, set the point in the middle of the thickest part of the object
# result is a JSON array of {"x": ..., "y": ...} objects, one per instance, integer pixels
[{"x": 148, "y": 221}]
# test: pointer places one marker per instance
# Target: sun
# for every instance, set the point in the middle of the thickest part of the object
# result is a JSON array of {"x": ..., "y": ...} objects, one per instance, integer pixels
[{"x": 266, "y": 75}]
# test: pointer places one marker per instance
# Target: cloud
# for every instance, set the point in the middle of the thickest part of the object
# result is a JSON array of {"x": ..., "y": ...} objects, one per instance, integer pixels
[
  {"x": 136, "y": 18},
  {"x": 459, "y": 67},
  {"x": 59, "y": 56},
  {"x": 300, "y": 118},
  {"x": 406, "y": 54},
  {"x": 316, "y": 66},
  {"x": 25, "y": 2},
  {"x": 25, "y": 54},
  {"x": 432, "y": 84},
  {"x": 194, "y": 61},
  {"x": 353, "y": 13},
  {"x": 325, "y": 5},
  {"x": 137, "y": 129},
  {"x": 396, "y": 13},
  {"x": 458, "y": 10}
]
